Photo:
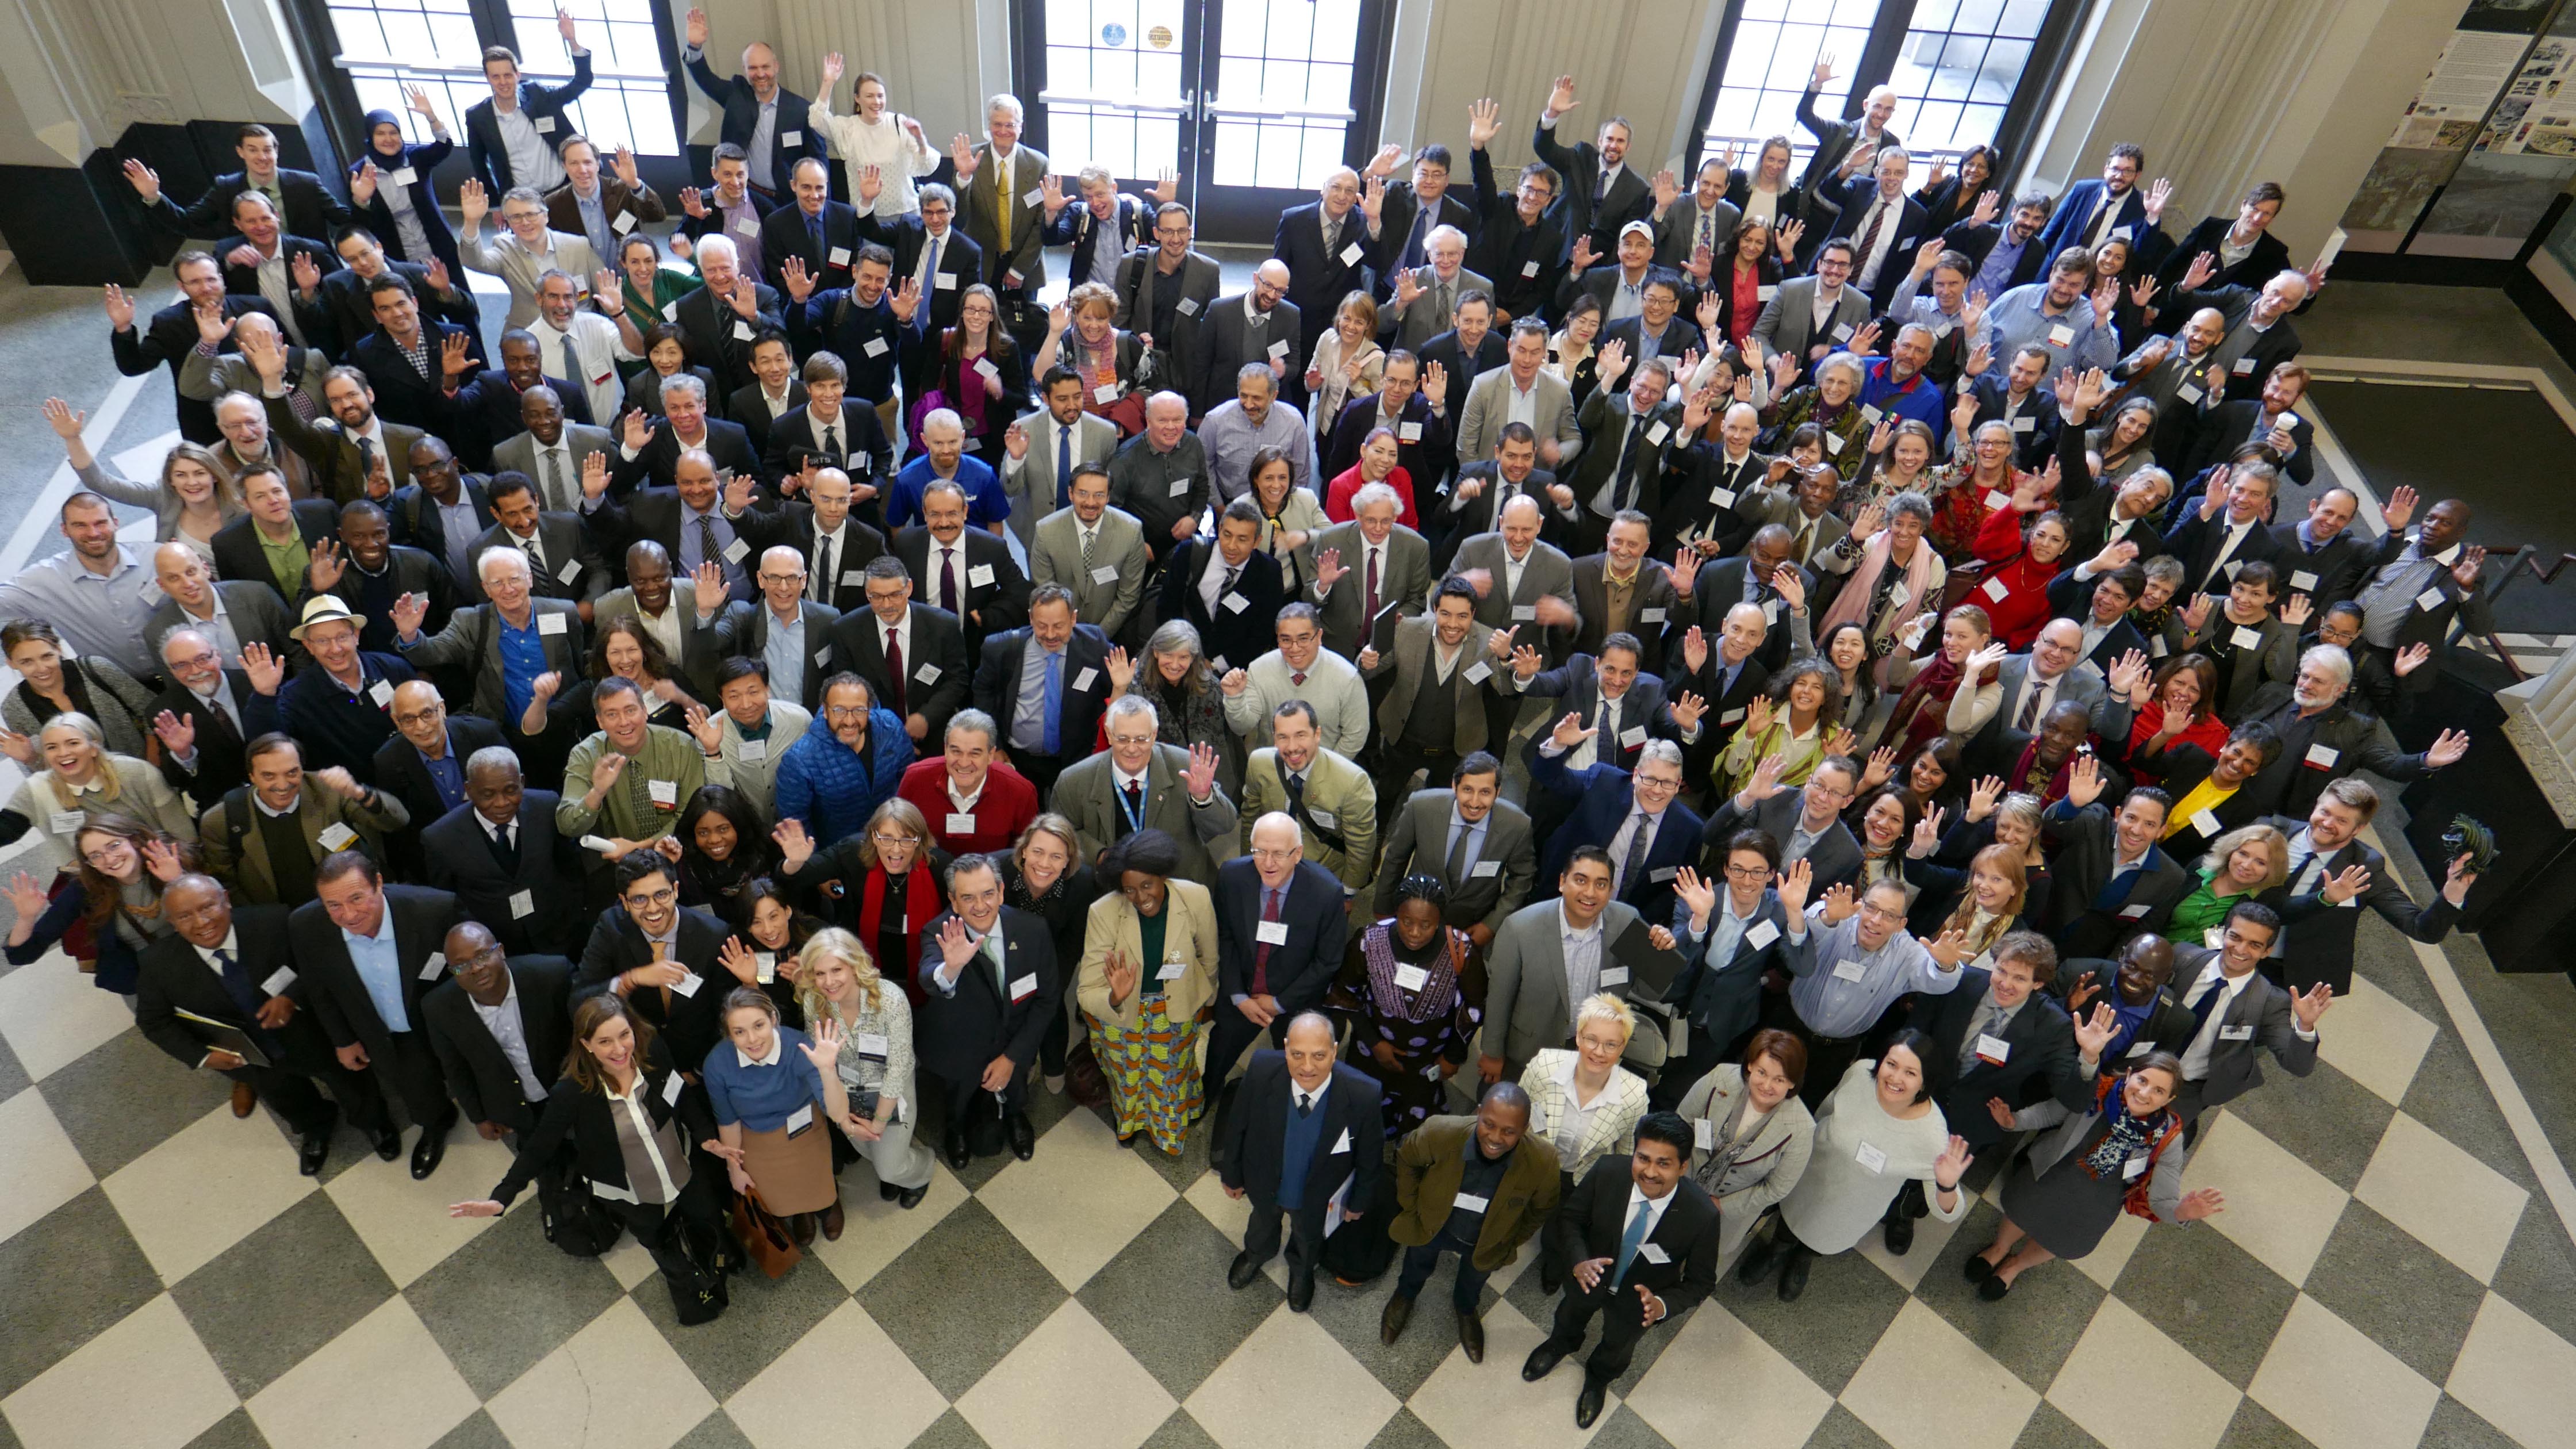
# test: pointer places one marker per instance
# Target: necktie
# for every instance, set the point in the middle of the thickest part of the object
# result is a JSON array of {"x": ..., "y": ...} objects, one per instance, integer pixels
[
  {"x": 1002, "y": 202},
  {"x": 948, "y": 579},
  {"x": 1261, "y": 952},
  {"x": 930, "y": 267},
  {"x": 1231, "y": 575},
  {"x": 1600, "y": 189},
  {"x": 536, "y": 555},
  {"x": 1623, "y": 477},
  {"x": 237, "y": 983},
  {"x": 366, "y": 456},
  {"x": 894, "y": 668},
  {"x": 1442, "y": 305},
  {"x": 1297, "y": 794},
  {"x": 814, "y": 234},
  {"x": 1457, "y": 863},
  {"x": 1332, "y": 240},
  {"x": 1064, "y": 465},
  {"x": 1054, "y": 701},
  {"x": 570, "y": 364},
  {"x": 1135, "y": 808},
  {"x": 823, "y": 570},
  {"x": 1706, "y": 232},
  {"x": 709, "y": 551},
  {"x": 1869, "y": 237},
  {"x": 1635, "y": 868},
  {"x": 1987, "y": 1020},
  {"x": 832, "y": 443},
  {"x": 1413, "y": 251},
  {"x": 1089, "y": 537},
  {"x": 554, "y": 481},
  {"x": 505, "y": 848},
  {"x": 1629, "y": 1240},
  {"x": 1368, "y": 597},
  {"x": 2031, "y": 701},
  {"x": 2213, "y": 990},
  {"x": 1305, "y": 1103}
]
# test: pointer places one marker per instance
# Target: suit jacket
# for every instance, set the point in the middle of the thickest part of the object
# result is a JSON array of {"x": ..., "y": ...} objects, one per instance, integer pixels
[
  {"x": 1677, "y": 233},
  {"x": 1404, "y": 580},
  {"x": 485, "y": 419},
  {"x": 544, "y": 106},
  {"x": 1139, "y": 286},
  {"x": 693, "y": 1024},
  {"x": 832, "y": 262},
  {"x": 1409, "y": 661},
  {"x": 1087, "y": 794},
  {"x": 2085, "y": 843},
  {"x": 1489, "y": 410},
  {"x": 714, "y": 332},
  {"x": 1703, "y": 496},
  {"x": 479, "y": 1075},
  {"x": 1603, "y": 797},
  {"x": 254, "y": 613},
  {"x": 1410, "y": 326},
  {"x": 1487, "y": 892},
  {"x": 1602, "y": 280},
  {"x": 961, "y": 264},
  {"x": 312, "y": 209},
  {"x": 1317, "y": 283},
  {"x": 520, "y": 268},
  {"x": 2167, "y": 1027},
  {"x": 2267, "y": 260},
  {"x": 791, "y": 525},
  {"x": 1396, "y": 220},
  {"x": 1030, "y": 482},
  {"x": 1086, "y": 688},
  {"x": 1788, "y": 320},
  {"x": 988, "y": 1013},
  {"x": 1526, "y": 1010},
  {"x": 1606, "y": 418},
  {"x": 1976, "y": 243},
  {"x": 1913, "y": 225},
  {"x": 169, "y": 339},
  {"x": 2257, "y": 1020},
  {"x": 2072, "y": 221},
  {"x": 563, "y": 209},
  {"x": 461, "y": 861},
  {"x": 1723, "y": 999},
  {"x": 980, "y": 204},
  {"x": 574, "y": 570},
  {"x": 401, "y": 773},
  {"x": 412, "y": 520},
  {"x": 935, "y": 665},
  {"x": 2217, "y": 433},
  {"x": 1630, "y": 198},
  {"x": 654, "y": 469},
  {"x": 403, "y": 394},
  {"x": 749, "y": 406},
  {"x": 742, "y": 628},
  {"x": 2317, "y": 936},
  {"x": 345, "y": 314},
  {"x": 2039, "y": 1060},
  {"x": 1300, "y": 969},
  {"x": 173, "y": 977},
  {"x": 1724, "y": 583},
  {"x": 1834, "y": 859},
  {"x": 1652, "y": 602},
  {"x": 472, "y": 639},
  {"x": 792, "y": 136},
  {"x": 1448, "y": 353},
  {"x": 1432, "y": 1161},
  {"x": 1546, "y": 572},
  {"x": 1422, "y": 446},
  {"x": 1002, "y": 600},
  {"x": 1594, "y": 1217},
  {"x": 1339, "y": 797},
  {"x": 1237, "y": 636},
  {"x": 421, "y": 917},
  {"x": 1349, "y": 1147},
  {"x": 1524, "y": 258},
  {"x": 518, "y": 454},
  {"x": 1680, "y": 337},
  {"x": 238, "y": 555},
  {"x": 219, "y": 763},
  {"x": 1997, "y": 744},
  {"x": 1055, "y": 557},
  {"x": 1640, "y": 714},
  {"x": 1224, "y": 347}
]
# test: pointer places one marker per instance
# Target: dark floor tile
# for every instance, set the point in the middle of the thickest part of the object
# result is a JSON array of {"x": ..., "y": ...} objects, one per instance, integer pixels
[
  {"x": 2049, "y": 1428},
  {"x": 293, "y": 1285},
  {"x": 961, "y": 1298},
  {"x": 13, "y": 1074},
  {"x": 477, "y": 1432},
  {"x": 2326, "y": 1119},
  {"x": 2255, "y": 1428},
  {"x": 1832, "y": 1327},
  {"x": 765, "y": 1318},
  {"x": 949, "y": 1431},
  {"x": 1180, "y": 1432},
  {"x": 1404, "y": 1431},
  {"x": 715, "y": 1431},
  {"x": 2032, "y": 1331},
  {"x": 77, "y": 1272},
  {"x": 2406, "y": 1297},
  {"x": 2385, "y": 960},
  {"x": 508, "y": 1298},
  {"x": 127, "y": 1097},
  {"x": 1163, "y": 1298},
  {"x": 1351, "y": 1316},
  {"x": 1842, "y": 1429},
  {"x": 1623, "y": 1429},
  {"x": 2450, "y": 1096},
  {"x": 2455, "y": 1425},
  {"x": 2208, "y": 1295},
  {"x": 233, "y": 1431},
  {"x": 2538, "y": 1274}
]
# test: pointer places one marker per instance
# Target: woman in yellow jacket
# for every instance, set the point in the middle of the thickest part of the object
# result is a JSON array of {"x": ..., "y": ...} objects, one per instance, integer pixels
[{"x": 1148, "y": 987}]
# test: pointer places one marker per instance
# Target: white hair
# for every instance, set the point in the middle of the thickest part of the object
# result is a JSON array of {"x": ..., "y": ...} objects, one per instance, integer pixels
[
  {"x": 1005, "y": 101},
  {"x": 1372, "y": 494},
  {"x": 720, "y": 246},
  {"x": 1443, "y": 233},
  {"x": 507, "y": 558},
  {"x": 941, "y": 418}
]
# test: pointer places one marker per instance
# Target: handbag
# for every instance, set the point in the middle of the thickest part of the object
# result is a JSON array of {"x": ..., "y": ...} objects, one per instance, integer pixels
[
  {"x": 1083, "y": 1079},
  {"x": 573, "y": 1218},
  {"x": 698, "y": 1292},
  {"x": 764, "y": 1236}
]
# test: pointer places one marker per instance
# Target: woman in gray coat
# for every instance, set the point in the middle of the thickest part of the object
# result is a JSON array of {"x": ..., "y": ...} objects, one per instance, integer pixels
[{"x": 1751, "y": 1135}]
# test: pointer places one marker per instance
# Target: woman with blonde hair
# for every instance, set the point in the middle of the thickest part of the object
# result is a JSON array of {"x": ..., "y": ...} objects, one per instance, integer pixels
[
  {"x": 1584, "y": 1103},
  {"x": 1986, "y": 902},
  {"x": 1148, "y": 987},
  {"x": 194, "y": 496},
  {"x": 76, "y": 775},
  {"x": 1084, "y": 339},
  {"x": 2251, "y": 862},
  {"x": 1347, "y": 363},
  {"x": 839, "y": 983}
]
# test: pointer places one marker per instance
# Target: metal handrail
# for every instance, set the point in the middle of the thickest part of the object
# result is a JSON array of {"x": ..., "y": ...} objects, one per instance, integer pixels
[{"x": 1116, "y": 103}]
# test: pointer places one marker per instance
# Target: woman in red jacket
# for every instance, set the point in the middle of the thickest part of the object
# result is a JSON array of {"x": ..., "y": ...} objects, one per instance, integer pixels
[{"x": 2014, "y": 593}]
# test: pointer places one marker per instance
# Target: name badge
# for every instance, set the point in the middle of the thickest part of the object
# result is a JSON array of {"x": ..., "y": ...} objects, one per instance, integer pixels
[
  {"x": 1180, "y": 487},
  {"x": 1997, "y": 498},
  {"x": 734, "y": 551},
  {"x": 1107, "y": 392},
  {"x": 2156, "y": 645},
  {"x": 2138, "y": 1048},
  {"x": 1187, "y": 306},
  {"x": 1351, "y": 255},
  {"x": 1762, "y": 934},
  {"x": 870, "y": 1045},
  {"x": 1024, "y": 987},
  {"x": 671, "y": 311},
  {"x": 1766, "y": 292},
  {"x": 1234, "y": 603},
  {"x": 664, "y": 792},
  {"x": 2429, "y": 600},
  {"x": 1408, "y": 432},
  {"x": 742, "y": 332},
  {"x": 68, "y": 822},
  {"x": 838, "y": 257},
  {"x": 1615, "y": 976},
  {"x": 404, "y": 176},
  {"x": 853, "y": 578},
  {"x": 2024, "y": 425},
  {"x": 545, "y": 125},
  {"x": 959, "y": 824},
  {"x": 1175, "y": 970},
  {"x": 1523, "y": 612},
  {"x": 1478, "y": 672},
  {"x": 1843, "y": 333},
  {"x": 2246, "y": 638},
  {"x": 1084, "y": 679},
  {"x": 1325, "y": 818},
  {"x": 1905, "y": 244},
  {"x": 764, "y": 966},
  {"x": 1529, "y": 269},
  {"x": 800, "y": 1121},
  {"x": 1485, "y": 870},
  {"x": 1653, "y": 1253},
  {"x": 1871, "y": 416},
  {"x": 1632, "y": 736},
  {"x": 1650, "y": 616},
  {"x": 2237, "y": 1033},
  {"x": 1105, "y": 574},
  {"x": 1412, "y": 978},
  {"x": 752, "y": 750},
  {"x": 1341, "y": 1144},
  {"x": 1871, "y": 1158},
  {"x": 927, "y": 674},
  {"x": 1995, "y": 590},
  {"x": 523, "y": 904},
  {"x": 1901, "y": 595},
  {"x": 1833, "y": 443},
  {"x": 1732, "y": 716},
  {"x": 1992, "y": 1048},
  {"x": 874, "y": 347},
  {"x": 337, "y": 836},
  {"x": 382, "y": 692},
  {"x": 979, "y": 576},
  {"x": 2060, "y": 335},
  {"x": 2133, "y": 1169},
  {"x": 985, "y": 369},
  {"x": 1465, "y": 1201},
  {"x": 625, "y": 223},
  {"x": 571, "y": 568},
  {"x": 2302, "y": 580},
  {"x": 1034, "y": 196},
  {"x": 791, "y": 138},
  {"x": 551, "y": 624},
  {"x": 2213, "y": 938},
  {"x": 2241, "y": 367},
  {"x": 278, "y": 980},
  {"x": 743, "y": 225},
  {"x": 1658, "y": 433},
  {"x": 671, "y": 1086},
  {"x": 2134, "y": 913},
  {"x": 1663, "y": 875},
  {"x": 944, "y": 281},
  {"x": 2322, "y": 757},
  {"x": 1271, "y": 933},
  {"x": 1279, "y": 349},
  {"x": 1847, "y": 970},
  {"x": 1723, "y": 497},
  {"x": 430, "y": 968}
]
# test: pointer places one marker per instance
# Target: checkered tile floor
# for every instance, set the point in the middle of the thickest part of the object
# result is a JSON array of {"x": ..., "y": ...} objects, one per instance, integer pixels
[{"x": 2384, "y": 1275}]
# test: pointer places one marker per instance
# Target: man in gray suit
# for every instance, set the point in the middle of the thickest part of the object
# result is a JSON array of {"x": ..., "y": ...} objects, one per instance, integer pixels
[
  {"x": 1140, "y": 784},
  {"x": 1426, "y": 297},
  {"x": 1549, "y": 957},
  {"x": 1164, "y": 292},
  {"x": 1685, "y": 225},
  {"x": 230, "y": 614},
  {"x": 1466, "y": 836},
  {"x": 1525, "y": 377},
  {"x": 1045, "y": 446},
  {"x": 1096, "y": 551},
  {"x": 1364, "y": 565},
  {"x": 2250, "y": 1016},
  {"x": 1522, "y": 585},
  {"x": 551, "y": 451},
  {"x": 782, "y": 628},
  {"x": 1622, "y": 591},
  {"x": 1810, "y": 317},
  {"x": 2052, "y": 673},
  {"x": 1440, "y": 668}
]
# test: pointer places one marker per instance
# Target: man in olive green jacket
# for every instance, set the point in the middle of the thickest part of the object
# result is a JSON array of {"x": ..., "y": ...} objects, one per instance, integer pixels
[{"x": 1479, "y": 1187}]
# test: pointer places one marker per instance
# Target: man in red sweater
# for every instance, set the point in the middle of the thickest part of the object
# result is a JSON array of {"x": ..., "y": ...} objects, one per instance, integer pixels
[{"x": 972, "y": 801}]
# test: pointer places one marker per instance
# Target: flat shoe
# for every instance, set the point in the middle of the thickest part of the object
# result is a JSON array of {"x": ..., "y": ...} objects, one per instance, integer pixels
[
  {"x": 911, "y": 1197},
  {"x": 1976, "y": 1269},
  {"x": 1994, "y": 1288}
]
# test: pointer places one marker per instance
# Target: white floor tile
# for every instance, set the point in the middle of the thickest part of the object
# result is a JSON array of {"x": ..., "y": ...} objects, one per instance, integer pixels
[
  {"x": 2516, "y": 1374},
  {"x": 384, "y": 1384},
  {"x": 1489, "y": 1405},
  {"x": 45, "y": 1170},
  {"x": 206, "y": 1189},
  {"x": 403, "y": 1220},
  {"x": 811, "y": 1397},
  {"x": 618, "y": 1381},
  {"x": 2375, "y": 1039},
  {"x": 1291, "y": 1386},
  {"x": 1767, "y": 1402},
  {"x": 628, "y": 1263},
  {"x": 53, "y": 1015},
  {"x": 1231, "y": 1216},
  {"x": 2109, "y": 1256},
  {"x": 1079, "y": 1200},
  {"x": 146, "y": 1383},
  {"x": 2278, "y": 1208},
  {"x": 1925, "y": 1386},
  {"x": 2123, "y": 1361},
  {"x": 879, "y": 1232},
  {"x": 1931, "y": 1234},
  {"x": 2458, "y": 1206},
  {"x": 1068, "y": 1385},
  {"x": 2328, "y": 1380}
]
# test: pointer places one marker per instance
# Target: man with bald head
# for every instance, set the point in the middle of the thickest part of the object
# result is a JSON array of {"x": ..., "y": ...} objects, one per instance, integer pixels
[
  {"x": 1836, "y": 140},
  {"x": 499, "y": 855},
  {"x": 656, "y": 595},
  {"x": 2259, "y": 335},
  {"x": 781, "y": 627},
  {"x": 233, "y": 612},
  {"x": 1160, "y": 476},
  {"x": 1280, "y": 926},
  {"x": 1258, "y": 324},
  {"x": 423, "y": 765},
  {"x": 819, "y": 525},
  {"x": 1479, "y": 1187},
  {"x": 205, "y": 377},
  {"x": 492, "y": 410},
  {"x": 1751, "y": 577},
  {"x": 1308, "y": 1139},
  {"x": 695, "y": 520},
  {"x": 767, "y": 120},
  {"x": 500, "y": 1024},
  {"x": 2050, "y": 673}
]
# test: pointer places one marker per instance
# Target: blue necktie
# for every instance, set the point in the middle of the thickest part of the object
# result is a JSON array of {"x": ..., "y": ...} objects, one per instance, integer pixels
[
  {"x": 814, "y": 229},
  {"x": 1063, "y": 464},
  {"x": 1054, "y": 699},
  {"x": 1629, "y": 1240},
  {"x": 2210, "y": 1001}
]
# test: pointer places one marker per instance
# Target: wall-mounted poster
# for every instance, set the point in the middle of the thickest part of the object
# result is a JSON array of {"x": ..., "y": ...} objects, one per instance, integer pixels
[
  {"x": 2524, "y": 157},
  {"x": 2482, "y": 58}
]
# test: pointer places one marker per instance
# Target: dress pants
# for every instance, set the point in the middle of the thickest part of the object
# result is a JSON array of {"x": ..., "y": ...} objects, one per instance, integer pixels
[
  {"x": 412, "y": 1075},
  {"x": 1623, "y": 1322},
  {"x": 981, "y": 1114},
  {"x": 1397, "y": 759},
  {"x": 1468, "y": 1295},
  {"x": 1305, "y": 1234},
  {"x": 658, "y": 1227}
]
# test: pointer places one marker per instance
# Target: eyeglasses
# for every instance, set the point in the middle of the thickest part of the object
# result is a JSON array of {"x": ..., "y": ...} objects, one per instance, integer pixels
[
  {"x": 1275, "y": 856},
  {"x": 201, "y": 660},
  {"x": 105, "y": 853},
  {"x": 1748, "y": 872},
  {"x": 1658, "y": 782},
  {"x": 845, "y": 712},
  {"x": 656, "y": 899},
  {"x": 884, "y": 838}
]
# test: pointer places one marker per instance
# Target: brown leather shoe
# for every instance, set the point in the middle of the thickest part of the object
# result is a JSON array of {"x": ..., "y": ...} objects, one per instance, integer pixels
[
  {"x": 244, "y": 1099},
  {"x": 833, "y": 1221}
]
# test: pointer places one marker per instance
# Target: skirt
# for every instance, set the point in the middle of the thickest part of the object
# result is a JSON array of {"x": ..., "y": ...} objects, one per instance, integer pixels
[
  {"x": 1153, "y": 1072},
  {"x": 794, "y": 1175},
  {"x": 2066, "y": 1210},
  {"x": 1411, "y": 1092}
]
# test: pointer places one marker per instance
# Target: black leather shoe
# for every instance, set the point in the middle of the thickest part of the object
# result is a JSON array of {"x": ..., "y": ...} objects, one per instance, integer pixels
[
  {"x": 1900, "y": 1234},
  {"x": 800, "y": 1226},
  {"x": 1793, "y": 1278},
  {"x": 427, "y": 1152},
  {"x": 886, "y": 1191},
  {"x": 1587, "y": 1405},
  {"x": 1240, "y": 1275},
  {"x": 316, "y": 1149},
  {"x": 1390, "y": 1324},
  {"x": 389, "y": 1146},
  {"x": 1759, "y": 1257},
  {"x": 1977, "y": 1269},
  {"x": 1024, "y": 1137},
  {"x": 952, "y": 1145},
  {"x": 910, "y": 1197},
  {"x": 1549, "y": 1283},
  {"x": 1542, "y": 1361},
  {"x": 1471, "y": 1336},
  {"x": 1994, "y": 1288},
  {"x": 1301, "y": 1289}
]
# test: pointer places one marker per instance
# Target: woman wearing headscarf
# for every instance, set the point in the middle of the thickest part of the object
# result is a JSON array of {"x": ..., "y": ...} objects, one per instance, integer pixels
[
  {"x": 1411, "y": 994},
  {"x": 403, "y": 213}
]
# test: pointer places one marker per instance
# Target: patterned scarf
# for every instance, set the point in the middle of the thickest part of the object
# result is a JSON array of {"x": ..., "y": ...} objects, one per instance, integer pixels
[{"x": 1436, "y": 995}]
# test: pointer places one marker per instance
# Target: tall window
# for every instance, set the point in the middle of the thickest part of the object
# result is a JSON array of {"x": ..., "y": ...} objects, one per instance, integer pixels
[
  {"x": 1771, "y": 63},
  {"x": 1116, "y": 85},
  {"x": 1283, "y": 91},
  {"x": 1961, "y": 63},
  {"x": 438, "y": 46}
]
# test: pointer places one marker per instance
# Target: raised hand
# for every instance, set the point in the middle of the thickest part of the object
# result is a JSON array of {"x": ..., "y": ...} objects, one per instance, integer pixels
[
  {"x": 2084, "y": 781},
  {"x": 737, "y": 958},
  {"x": 2157, "y": 194},
  {"x": 2297, "y": 612},
  {"x": 1201, "y": 779},
  {"x": 472, "y": 203},
  {"x": 2307, "y": 1007},
  {"x": 1766, "y": 778},
  {"x": 2401, "y": 507},
  {"x": 2472, "y": 559},
  {"x": 1484, "y": 122},
  {"x": 327, "y": 567},
  {"x": 1927, "y": 834},
  {"x": 795, "y": 847},
  {"x": 1122, "y": 669},
  {"x": 1697, "y": 893},
  {"x": 1687, "y": 711},
  {"x": 2093, "y": 1033},
  {"x": 826, "y": 1047},
  {"x": 1952, "y": 1165},
  {"x": 1840, "y": 904},
  {"x": 145, "y": 181},
  {"x": 2196, "y": 613},
  {"x": 1950, "y": 948},
  {"x": 452, "y": 358},
  {"x": 27, "y": 896},
  {"x": 1560, "y": 97},
  {"x": 178, "y": 736},
  {"x": 338, "y": 781},
  {"x": 1792, "y": 885},
  {"x": 1694, "y": 649},
  {"x": 1879, "y": 769},
  {"x": 162, "y": 859},
  {"x": 2200, "y": 1203},
  {"x": 1234, "y": 683},
  {"x": 1611, "y": 361},
  {"x": 261, "y": 664},
  {"x": 907, "y": 299},
  {"x": 1570, "y": 731}
]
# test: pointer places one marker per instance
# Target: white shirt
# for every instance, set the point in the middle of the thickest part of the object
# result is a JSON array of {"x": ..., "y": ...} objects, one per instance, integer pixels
[
  {"x": 1624, "y": 841},
  {"x": 643, "y": 1120},
  {"x": 1520, "y": 405},
  {"x": 2195, "y": 1058},
  {"x": 777, "y": 1053},
  {"x": 1865, "y": 269},
  {"x": 598, "y": 347},
  {"x": 1512, "y": 568},
  {"x": 668, "y": 630},
  {"x": 964, "y": 804},
  {"x": 1299, "y": 1097},
  {"x": 510, "y": 1032},
  {"x": 2218, "y": 568},
  {"x": 567, "y": 474},
  {"x": 1655, "y": 1206},
  {"x": 1212, "y": 581},
  {"x": 1582, "y": 957}
]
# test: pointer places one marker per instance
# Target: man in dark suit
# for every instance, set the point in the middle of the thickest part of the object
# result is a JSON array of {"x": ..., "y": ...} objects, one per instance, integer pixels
[
  {"x": 1049, "y": 708},
  {"x": 1635, "y": 814},
  {"x": 2250, "y": 228},
  {"x": 1628, "y": 431},
  {"x": 271, "y": 514},
  {"x": 441, "y": 512},
  {"x": 1603, "y": 192},
  {"x": 370, "y": 951},
  {"x": 1608, "y": 692},
  {"x": 1521, "y": 242},
  {"x": 1836, "y": 140},
  {"x": 2240, "y": 1014},
  {"x": 649, "y": 449},
  {"x": 933, "y": 254},
  {"x": 1308, "y": 1140},
  {"x": 2332, "y": 872},
  {"x": 2111, "y": 880},
  {"x": 2324, "y": 738},
  {"x": 990, "y": 985},
  {"x": 913, "y": 656},
  {"x": 2260, "y": 336},
  {"x": 2094, "y": 211},
  {"x": 2229, "y": 528},
  {"x": 1164, "y": 292},
  {"x": 1422, "y": 445},
  {"x": 308, "y": 206},
  {"x": 378, "y": 572},
  {"x": 1726, "y": 955},
  {"x": 1642, "y": 1235},
  {"x": 774, "y": 390},
  {"x": 1412, "y": 209},
  {"x": 2320, "y": 556},
  {"x": 342, "y": 306},
  {"x": 536, "y": 123},
  {"x": 423, "y": 766},
  {"x": 816, "y": 231},
  {"x": 563, "y": 561},
  {"x": 2021, "y": 400},
  {"x": 778, "y": 609},
  {"x": 1646, "y": 602},
  {"x": 1325, "y": 246},
  {"x": 2004, "y": 254},
  {"x": 411, "y": 360},
  {"x": 660, "y": 956},
  {"x": 494, "y": 409},
  {"x": 1257, "y": 324},
  {"x": 1811, "y": 813},
  {"x": 769, "y": 122},
  {"x": 1226, "y": 588},
  {"x": 722, "y": 321},
  {"x": 501, "y": 858},
  {"x": 2134, "y": 985},
  {"x": 2270, "y": 419},
  {"x": 175, "y": 332},
  {"x": 236, "y": 968},
  {"x": 1882, "y": 223},
  {"x": 967, "y": 571},
  {"x": 1280, "y": 924},
  {"x": 206, "y": 715},
  {"x": 1472, "y": 347},
  {"x": 836, "y": 546},
  {"x": 824, "y": 432},
  {"x": 262, "y": 259},
  {"x": 501, "y": 1025},
  {"x": 1747, "y": 578}
]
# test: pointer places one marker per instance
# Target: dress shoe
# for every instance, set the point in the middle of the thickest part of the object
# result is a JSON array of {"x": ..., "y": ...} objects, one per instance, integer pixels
[
  {"x": 316, "y": 1148},
  {"x": 1471, "y": 1336},
  {"x": 833, "y": 1221},
  {"x": 886, "y": 1191},
  {"x": 427, "y": 1152},
  {"x": 801, "y": 1225},
  {"x": 1587, "y": 1405},
  {"x": 1301, "y": 1289},
  {"x": 245, "y": 1097},
  {"x": 1390, "y": 1324},
  {"x": 1760, "y": 1256},
  {"x": 1055, "y": 1084},
  {"x": 1900, "y": 1234},
  {"x": 1024, "y": 1137},
  {"x": 389, "y": 1145},
  {"x": 1240, "y": 1275},
  {"x": 1995, "y": 1287},
  {"x": 952, "y": 1145},
  {"x": 1793, "y": 1278},
  {"x": 1977, "y": 1269},
  {"x": 1549, "y": 1283},
  {"x": 910, "y": 1197},
  {"x": 1542, "y": 1361}
]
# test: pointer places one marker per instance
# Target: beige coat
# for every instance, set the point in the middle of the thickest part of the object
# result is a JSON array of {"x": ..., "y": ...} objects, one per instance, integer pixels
[{"x": 1189, "y": 935}]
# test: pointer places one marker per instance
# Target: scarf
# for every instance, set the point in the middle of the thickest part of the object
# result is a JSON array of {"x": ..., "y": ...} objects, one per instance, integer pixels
[
  {"x": 2121, "y": 1138},
  {"x": 1914, "y": 720},
  {"x": 1853, "y": 605},
  {"x": 921, "y": 902},
  {"x": 1435, "y": 997},
  {"x": 2025, "y": 775}
]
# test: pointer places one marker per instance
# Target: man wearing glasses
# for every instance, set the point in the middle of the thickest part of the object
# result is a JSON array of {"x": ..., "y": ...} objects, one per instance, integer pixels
[
  {"x": 1807, "y": 823},
  {"x": 1730, "y": 939},
  {"x": 1852, "y": 959},
  {"x": 1651, "y": 836},
  {"x": 834, "y": 778},
  {"x": 529, "y": 250},
  {"x": 1166, "y": 289},
  {"x": 624, "y": 786},
  {"x": 660, "y": 956}
]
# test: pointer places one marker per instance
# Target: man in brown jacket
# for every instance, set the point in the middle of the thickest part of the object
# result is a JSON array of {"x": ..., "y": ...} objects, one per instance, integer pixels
[{"x": 1479, "y": 1187}]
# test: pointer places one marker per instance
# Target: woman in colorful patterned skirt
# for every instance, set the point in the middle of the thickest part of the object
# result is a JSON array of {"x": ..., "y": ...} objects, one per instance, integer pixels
[{"x": 1148, "y": 987}]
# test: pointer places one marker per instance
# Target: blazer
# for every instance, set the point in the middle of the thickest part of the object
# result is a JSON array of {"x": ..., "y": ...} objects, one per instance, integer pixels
[
  {"x": 961, "y": 264},
  {"x": 588, "y": 1119},
  {"x": 518, "y": 454},
  {"x": 461, "y": 862},
  {"x": 2257, "y": 1021},
  {"x": 485, "y": 417},
  {"x": 1526, "y": 257},
  {"x": 312, "y": 209},
  {"x": 1225, "y": 347},
  {"x": 1787, "y": 323},
  {"x": 1722, "y": 1000},
  {"x": 1405, "y": 580},
  {"x": 1489, "y": 410},
  {"x": 1236, "y": 636},
  {"x": 1139, "y": 280},
  {"x": 1652, "y": 600},
  {"x": 1422, "y": 446},
  {"x": 1189, "y": 935},
  {"x": 473, "y": 638},
  {"x": 2040, "y": 1057},
  {"x": 2167, "y": 1027},
  {"x": 1913, "y": 225},
  {"x": 1339, "y": 797},
  {"x": 1526, "y": 1010},
  {"x": 831, "y": 262},
  {"x": 749, "y": 406},
  {"x": 1603, "y": 797},
  {"x": 742, "y": 628},
  {"x": 172, "y": 977},
  {"x": 693, "y": 1024},
  {"x": 563, "y": 209},
  {"x": 1030, "y": 482},
  {"x": 1349, "y": 1147},
  {"x": 2274, "y": 658},
  {"x": 401, "y": 773},
  {"x": 544, "y": 106},
  {"x": 2085, "y": 842},
  {"x": 1976, "y": 243},
  {"x": 407, "y": 526},
  {"x": 1595, "y": 1216},
  {"x": 2317, "y": 936},
  {"x": 1606, "y": 417},
  {"x": 980, "y": 204},
  {"x": 502, "y": 256},
  {"x": 1396, "y": 220},
  {"x": 1301, "y": 968},
  {"x": 1765, "y": 1168},
  {"x": 1677, "y": 233},
  {"x": 634, "y": 482},
  {"x": 2072, "y": 221},
  {"x": 792, "y": 134},
  {"x": 1546, "y": 572},
  {"x": 1087, "y": 794},
  {"x": 253, "y": 611},
  {"x": 347, "y": 316},
  {"x": 219, "y": 746},
  {"x": 2216, "y": 433},
  {"x": 1995, "y": 745},
  {"x": 421, "y": 917},
  {"x": 1490, "y": 890},
  {"x": 1639, "y": 714},
  {"x": 1317, "y": 283},
  {"x": 1549, "y": 1077},
  {"x": 1834, "y": 859},
  {"x": 962, "y": 1030},
  {"x": 574, "y": 570},
  {"x": 403, "y": 394},
  {"x": 239, "y": 558},
  {"x": 1002, "y": 601},
  {"x": 791, "y": 525},
  {"x": 712, "y": 332},
  {"x": 1430, "y": 1163},
  {"x": 1630, "y": 197},
  {"x": 170, "y": 338},
  {"x": 1410, "y": 664},
  {"x": 1086, "y": 688},
  {"x": 1409, "y": 327},
  {"x": 1055, "y": 557},
  {"x": 479, "y": 1075},
  {"x": 935, "y": 682}
]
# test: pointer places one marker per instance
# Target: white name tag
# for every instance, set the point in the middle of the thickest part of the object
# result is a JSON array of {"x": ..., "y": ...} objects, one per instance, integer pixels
[
  {"x": 1765, "y": 292},
  {"x": 1234, "y": 603},
  {"x": 2322, "y": 756},
  {"x": 2214, "y": 937},
  {"x": 1901, "y": 595},
  {"x": 2302, "y": 580},
  {"x": 944, "y": 281},
  {"x": 1325, "y": 818},
  {"x": 2236, "y": 1033},
  {"x": 1478, "y": 672},
  {"x": 2133, "y": 1169},
  {"x": 625, "y": 223},
  {"x": 1187, "y": 306},
  {"x": 68, "y": 822},
  {"x": 874, "y": 347},
  {"x": 2060, "y": 335},
  {"x": 742, "y": 332},
  {"x": 1847, "y": 970},
  {"x": 550, "y": 624},
  {"x": 1271, "y": 933},
  {"x": 1034, "y": 196},
  {"x": 1615, "y": 976},
  {"x": 1871, "y": 1159},
  {"x": 791, "y": 138},
  {"x": 959, "y": 824},
  {"x": 1833, "y": 443},
  {"x": 985, "y": 369},
  {"x": 1180, "y": 487},
  {"x": 800, "y": 1119},
  {"x": 2242, "y": 367},
  {"x": 1723, "y": 497},
  {"x": 337, "y": 836},
  {"x": 1993, "y": 1048},
  {"x": 1732, "y": 716},
  {"x": 2024, "y": 425},
  {"x": 1994, "y": 590},
  {"x": 979, "y": 576},
  {"x": 1411, "y": 978},
  {"x": 2133, "y": 913},
  {"x": 523, "y": 904},
  {"x": 278, "y": 980},
  {"x": 742, "y": 226},
  {"x": 753, "y": 750},
  {"x": 2246, "y": 638},
  {"x": 1279, "y": 349},
  {"x": 1658, "y": 433},
  {"x": 870, "y": 1044},
  {"x": 1465, "y": 1201},
  {"x": 2429, "y": 600},
  {"x": 1871, "y": 416},
  {"x": 1173, "y": 971},
  {"x": 1529, "y": 269},
  {"x": 430, "y": 968},
  {"x": 404, "y": 176},
  {"x": 1105, "y": 574},
  {"x": 1524, "y": 611},
  {"x": 1762, "y": 934},
  {"x": 545, "y": 125},
  {"x": 1485, "y": 870},
  {"x": 382, "y": 692},
  {"x": 927, "y": 674},
  {"x": 2138, "y": 1048},
  {"x": 764, "y": 966},
  {"x": 1653, "y": 1253},
  {"x": 1351, "y": 255},
  {"x": 734, "y": 551},
  {"x": 671, "y": 1086},
  {"x": 1408, "y": 432},
  {"x": 571, "y": 567},
  {"x": 1084, "y": 679},
  {"x": 1341, "y": 1145},
  {"x": 1997, "y": 498},
  {"x": 2187, "y": 393},
  {"x": 664, "y": 792},
  {"x": 671, "y": 311},
  {"x": 1024, "y": 986},
  {"x": 853, "y": 578},
  {"x": 838, "y": 256},
  {"x": 1107, "y": 392}
]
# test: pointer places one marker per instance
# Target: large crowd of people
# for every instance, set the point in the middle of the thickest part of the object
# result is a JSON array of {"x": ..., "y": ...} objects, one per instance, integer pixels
[{"x": 1664, "y": 716}]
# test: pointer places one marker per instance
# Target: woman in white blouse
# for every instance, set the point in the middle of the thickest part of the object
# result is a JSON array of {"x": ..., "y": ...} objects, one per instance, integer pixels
[
  {"x": 876, "y": 136},
  {"x": 1878, "y": 1130},
  {"x": 1584, "y": 1103},
  {"x": 1347, "y": 363}
]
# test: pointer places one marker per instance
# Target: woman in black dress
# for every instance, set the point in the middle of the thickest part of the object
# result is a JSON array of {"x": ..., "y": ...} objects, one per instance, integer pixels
[{"x": 1046, "y": 876}]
